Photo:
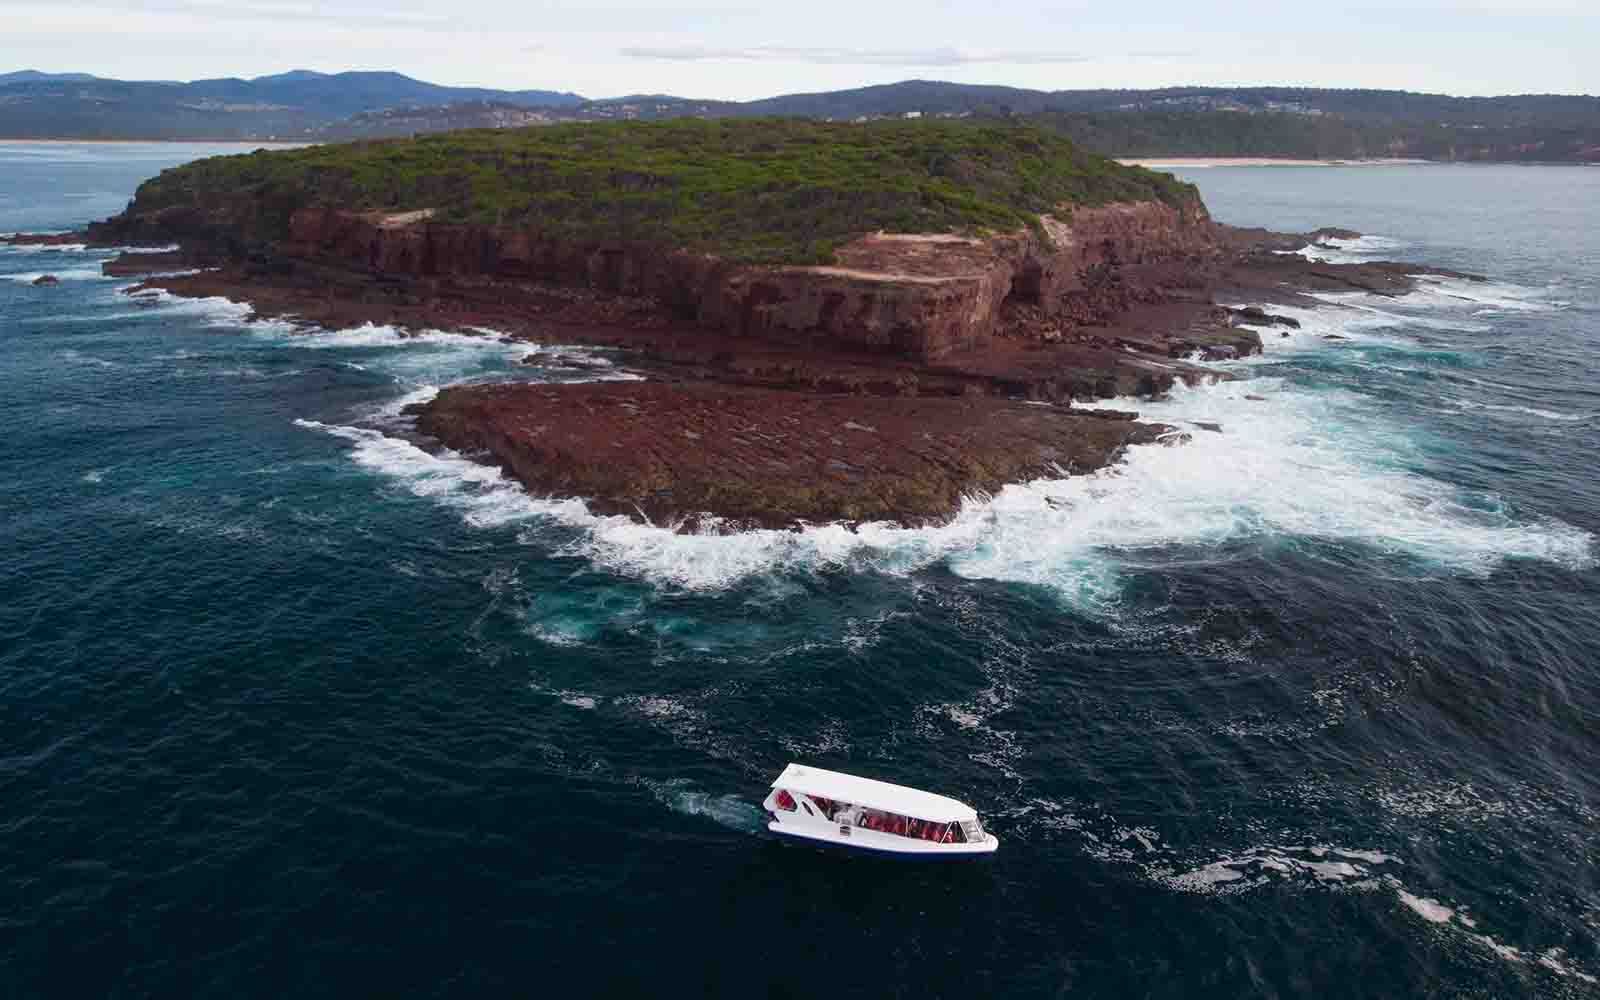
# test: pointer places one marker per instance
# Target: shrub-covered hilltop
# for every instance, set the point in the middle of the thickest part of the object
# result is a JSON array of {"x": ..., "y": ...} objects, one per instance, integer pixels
[{"x": 754, "y": 191}]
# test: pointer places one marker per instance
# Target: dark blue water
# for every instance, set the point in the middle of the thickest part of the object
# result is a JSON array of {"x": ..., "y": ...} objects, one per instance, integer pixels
[{"x": 1306, "y": 708}]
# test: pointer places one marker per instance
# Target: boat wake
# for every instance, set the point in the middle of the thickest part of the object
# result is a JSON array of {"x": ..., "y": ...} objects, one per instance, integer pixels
[{"x": 729, "y": 811}]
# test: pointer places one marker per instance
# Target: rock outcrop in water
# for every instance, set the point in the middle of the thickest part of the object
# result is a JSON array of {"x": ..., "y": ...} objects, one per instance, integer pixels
[
  {"x": 757, "y": 458},
  {"x": 884, "y": 387},
  {"x": 886, "y": 384}
]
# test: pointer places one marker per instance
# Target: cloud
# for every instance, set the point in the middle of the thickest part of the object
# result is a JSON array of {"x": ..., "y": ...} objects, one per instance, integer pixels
[
  {"x": 850, "y": 57},
  {"x": 290, "y": 11}
]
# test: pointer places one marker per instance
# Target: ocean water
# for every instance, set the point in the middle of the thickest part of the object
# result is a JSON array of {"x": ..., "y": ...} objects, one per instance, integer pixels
[{"x": 1308, "y": 707}]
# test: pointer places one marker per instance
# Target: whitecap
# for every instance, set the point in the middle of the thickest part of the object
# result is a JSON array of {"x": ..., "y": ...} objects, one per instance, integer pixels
[
  {"x": 1356, "y": 250},
  {"x": 1528, "y": 411},
  {"x": 1454, "y": 920},
  {"x": 77, "y": 357},
  {"x": 21, "y": 249},
  {"x": 65, "y": 274},
  {"x": 1430, "y": 910}
]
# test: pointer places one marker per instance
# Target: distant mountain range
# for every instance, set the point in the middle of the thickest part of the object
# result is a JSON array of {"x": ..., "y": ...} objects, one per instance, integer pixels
[
  {"x": 1175, "y": 121},
  {"x": 292, "y": 105}
]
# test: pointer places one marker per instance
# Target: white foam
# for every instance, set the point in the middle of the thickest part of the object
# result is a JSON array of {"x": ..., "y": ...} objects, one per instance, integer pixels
[
  {"x": 87, "y": 360},
  {"x": 1343, "y": 317},
  {"x": 1434, "y": 912},
  {"x": 1297, "y": 462},
  {"x": 33, "y": 248},
  {"x": 1428, "y": 909},
  {"x": 1323, "y": 865},
  {"x": 373, "y": 335},
  {"x": 575, "y": 699},
  {"x": 394, "y": 409},
  {"x": 1333, "y": 868},
  {"x": 1357, "y": 250},
  {"x": 1302, "y": 463},
  {"x": 65, "y": 274},
  {"x": 216, "y": 310},
  {"x": 1362, "y": 312},
  {"x": 480, "y": 492},
  {"x": 428, "y": 359},
  {"x": 1499, "y": 296},
  {"x": 421, "y": 360},
  {"x": 1556, "y": 961},
  {"x": 725, "y": 810},
  {"x": 1527, "y": 411}
]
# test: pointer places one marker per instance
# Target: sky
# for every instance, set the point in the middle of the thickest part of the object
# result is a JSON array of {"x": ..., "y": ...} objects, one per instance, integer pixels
[{"x": 730, "y": 51}]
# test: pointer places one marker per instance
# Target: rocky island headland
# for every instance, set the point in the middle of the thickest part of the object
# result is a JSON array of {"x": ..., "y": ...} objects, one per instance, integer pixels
[{"x": 854, "y": 322}]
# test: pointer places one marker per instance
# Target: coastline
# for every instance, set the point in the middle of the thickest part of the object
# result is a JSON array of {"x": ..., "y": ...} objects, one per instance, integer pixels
[
  {"x": 712, "y": 430},
  {"x": 918, "y": 362},
  {"x": 252, "y": 143},
  {"x": 1192, "y": 162}
]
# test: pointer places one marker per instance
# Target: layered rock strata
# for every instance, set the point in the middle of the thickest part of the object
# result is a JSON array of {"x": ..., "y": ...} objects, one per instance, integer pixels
[
  {"x": 753, "y": 458},
  {"x": 910, "y": 296},
  {"x": 886, "y": 386}
]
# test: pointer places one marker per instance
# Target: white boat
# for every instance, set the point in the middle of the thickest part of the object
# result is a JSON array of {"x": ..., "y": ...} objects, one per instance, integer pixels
[{"x": 873, "y": 817}]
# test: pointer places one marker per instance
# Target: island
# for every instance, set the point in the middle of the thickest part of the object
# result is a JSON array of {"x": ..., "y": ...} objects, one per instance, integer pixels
[{"x": 836, "y": 321}]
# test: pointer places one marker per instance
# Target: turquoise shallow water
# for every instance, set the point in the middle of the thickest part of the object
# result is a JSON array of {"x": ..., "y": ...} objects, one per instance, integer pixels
[{"x": 1304, "y": 708}]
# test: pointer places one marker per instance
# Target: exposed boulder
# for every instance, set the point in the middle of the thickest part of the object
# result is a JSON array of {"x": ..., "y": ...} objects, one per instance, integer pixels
[{"x": 1257, "y": 316}]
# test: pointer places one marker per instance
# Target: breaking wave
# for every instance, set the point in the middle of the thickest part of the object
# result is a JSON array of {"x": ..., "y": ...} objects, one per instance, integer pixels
[
  {"x": 83, "y": 248},
  {"x": 1267, "y": 456},
  {"x": 1484, "y": 297},
  {"x": 1357, "y": 250},
  {"x": 1291, "y": 462},
  {"x": 65, "y": 274}
]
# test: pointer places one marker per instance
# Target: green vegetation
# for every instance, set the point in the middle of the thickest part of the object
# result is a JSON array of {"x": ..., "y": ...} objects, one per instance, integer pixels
[
  {"x": 1228, "y": 133},
  {"x": 759, "y": 191}
]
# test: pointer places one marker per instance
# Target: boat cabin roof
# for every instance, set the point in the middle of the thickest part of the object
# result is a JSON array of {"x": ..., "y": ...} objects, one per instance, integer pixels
[{"x": 910, "y": 802}]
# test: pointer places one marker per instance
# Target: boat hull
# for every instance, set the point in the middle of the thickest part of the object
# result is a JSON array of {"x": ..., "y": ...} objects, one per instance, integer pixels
[{"x": 829, "y": 838}]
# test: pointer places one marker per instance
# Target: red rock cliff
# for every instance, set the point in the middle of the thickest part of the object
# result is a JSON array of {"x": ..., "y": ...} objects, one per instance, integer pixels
[{"x": 913, "y": 296}]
